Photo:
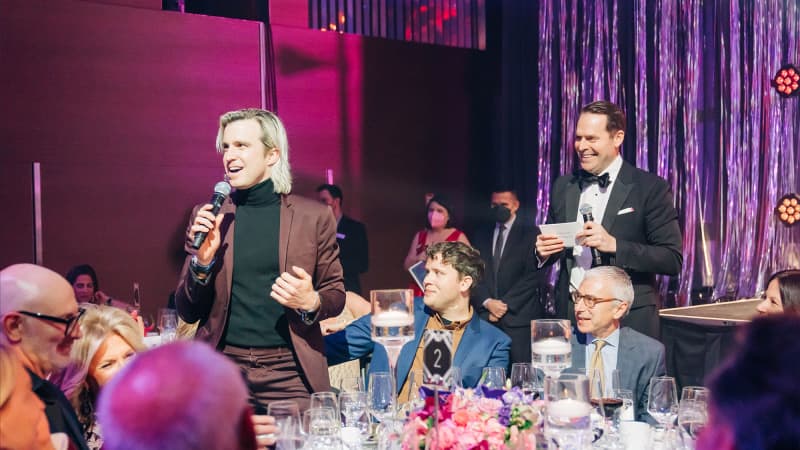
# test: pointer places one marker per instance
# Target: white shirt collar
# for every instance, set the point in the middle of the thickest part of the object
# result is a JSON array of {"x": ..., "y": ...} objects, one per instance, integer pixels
[
  {"x": 612, "y": 339},
  {"x": 613, "y": 169}
]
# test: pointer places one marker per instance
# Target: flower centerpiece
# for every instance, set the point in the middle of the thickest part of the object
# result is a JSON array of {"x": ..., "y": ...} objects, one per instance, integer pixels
[{"x": 486, "y": 419}]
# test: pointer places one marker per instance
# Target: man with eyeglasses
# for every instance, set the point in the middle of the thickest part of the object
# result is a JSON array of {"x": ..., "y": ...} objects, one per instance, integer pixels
[
  {"x": 39, "y": 322},
  {"x": 603, "y": 298}
]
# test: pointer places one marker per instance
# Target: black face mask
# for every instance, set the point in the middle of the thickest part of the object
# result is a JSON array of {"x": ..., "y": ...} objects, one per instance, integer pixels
[{"x": 500, "y": 213}]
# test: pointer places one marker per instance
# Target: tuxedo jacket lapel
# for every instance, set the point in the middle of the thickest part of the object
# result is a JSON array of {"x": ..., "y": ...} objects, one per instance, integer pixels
[
  {"x": 573, "y": 197},
  {"x": 619, "y": 193}
]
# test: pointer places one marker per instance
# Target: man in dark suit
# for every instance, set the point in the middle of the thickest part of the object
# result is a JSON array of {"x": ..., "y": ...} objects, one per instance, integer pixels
[
  {"x": 602, "y": 300},
  {"x": 638, "y": 224},
  {"x": 351, "y": 236},
  {"x": 268, "y": 270},
  {"x": 453, "y": 269},
  {"x": 39, "y": 322},
  {"x": 509, "y": 295}
]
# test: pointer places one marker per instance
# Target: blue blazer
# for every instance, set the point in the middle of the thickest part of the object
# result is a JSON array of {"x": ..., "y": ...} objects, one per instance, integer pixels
[{"x": 482, "y": 345}]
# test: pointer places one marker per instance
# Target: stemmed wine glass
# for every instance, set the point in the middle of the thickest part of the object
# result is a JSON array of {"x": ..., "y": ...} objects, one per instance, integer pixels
[
  {"x": 692, "y": 413},
  {"x": 662, "y": 404},
  {"x": 392, "y": 321},
  {"x": 524, "y": 378}
]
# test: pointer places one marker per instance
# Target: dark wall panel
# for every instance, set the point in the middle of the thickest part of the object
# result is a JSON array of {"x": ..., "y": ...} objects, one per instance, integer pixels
[{"x": 120, "y": 106}]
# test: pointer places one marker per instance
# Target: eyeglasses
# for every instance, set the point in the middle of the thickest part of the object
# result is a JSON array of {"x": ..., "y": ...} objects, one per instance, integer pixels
[
  {"x": 590, "y": 301},
  {"x": 70, "y": 323}
]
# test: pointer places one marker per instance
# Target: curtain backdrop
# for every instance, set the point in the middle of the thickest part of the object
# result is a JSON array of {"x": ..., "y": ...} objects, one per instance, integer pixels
[{"x": 694, "y": 79}]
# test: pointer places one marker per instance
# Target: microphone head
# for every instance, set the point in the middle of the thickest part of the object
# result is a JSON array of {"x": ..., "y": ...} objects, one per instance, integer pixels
[
  {"x": 222, "y": 188},
  {"x": 585, "y": 209}
]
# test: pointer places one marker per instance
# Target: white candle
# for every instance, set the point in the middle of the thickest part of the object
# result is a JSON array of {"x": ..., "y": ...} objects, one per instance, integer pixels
[
  {"x": 393, "y": 319},
  {"x": 569, "y": 408},
  {"x": 552, "y": 346}
]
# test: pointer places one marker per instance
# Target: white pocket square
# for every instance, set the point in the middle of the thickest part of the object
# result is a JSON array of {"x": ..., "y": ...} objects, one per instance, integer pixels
[{"x": 625, "y": 211}]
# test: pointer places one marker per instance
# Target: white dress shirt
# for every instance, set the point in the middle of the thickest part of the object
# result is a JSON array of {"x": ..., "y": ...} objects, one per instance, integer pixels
[{"x": 597, "y": 198}]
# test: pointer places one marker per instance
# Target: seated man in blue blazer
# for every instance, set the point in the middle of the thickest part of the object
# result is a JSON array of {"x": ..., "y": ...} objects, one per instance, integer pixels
[
  {"x": 454, "y": 268},
  {"x": 601, "y": 301}
]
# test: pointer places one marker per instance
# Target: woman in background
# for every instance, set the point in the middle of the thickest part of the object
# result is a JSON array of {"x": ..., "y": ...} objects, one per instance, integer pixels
[
  {"x": 437, "y": 229},
  {"x": 782, "y": 294},
  {"x": 84, "y": 282},
  {"x": 110, "y": 338}
]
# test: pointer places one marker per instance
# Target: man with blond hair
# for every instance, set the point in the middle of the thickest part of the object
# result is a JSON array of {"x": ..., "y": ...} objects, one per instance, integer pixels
[{"x": 268, "y": 270}]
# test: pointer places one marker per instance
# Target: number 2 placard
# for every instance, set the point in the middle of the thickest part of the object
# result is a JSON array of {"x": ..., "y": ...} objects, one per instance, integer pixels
[{"x": 437, "y": 357}]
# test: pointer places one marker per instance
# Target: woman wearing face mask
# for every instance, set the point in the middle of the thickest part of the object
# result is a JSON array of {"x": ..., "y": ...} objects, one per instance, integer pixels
[
  {"x": 111, "y": 337},
  {"x": 437, "y": 229},
  {"x": 782, "y": 294}
]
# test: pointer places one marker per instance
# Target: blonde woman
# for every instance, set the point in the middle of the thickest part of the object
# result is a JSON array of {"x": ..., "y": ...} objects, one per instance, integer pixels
[
  {"x": 23, "y": 424},
  {"x": 110, "y": 338}
]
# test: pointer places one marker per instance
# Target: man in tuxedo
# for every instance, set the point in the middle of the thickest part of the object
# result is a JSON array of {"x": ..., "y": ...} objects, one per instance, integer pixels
[
  {"x": 453, "y": 269},
  {"x": 39, "y": 323},
  {"x": 150, "y": 406},
  {"x": 509, "y": 296},
  {"x": 603, "y": 298},
  {"x": 351, "y": 235},
  {"x": 634, "y": 223},
  {"x": 268, "y": 270}
]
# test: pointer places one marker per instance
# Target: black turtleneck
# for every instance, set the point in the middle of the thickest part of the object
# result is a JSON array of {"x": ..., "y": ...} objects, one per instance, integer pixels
[{"x": 256, "y": 320}]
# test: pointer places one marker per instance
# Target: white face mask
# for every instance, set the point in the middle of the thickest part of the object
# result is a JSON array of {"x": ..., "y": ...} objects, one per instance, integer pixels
[{"x": 437, "y": 219}]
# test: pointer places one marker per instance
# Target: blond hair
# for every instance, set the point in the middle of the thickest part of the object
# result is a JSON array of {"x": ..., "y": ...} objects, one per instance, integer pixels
[
  {"x": 273, "y": 136},
  {"x": 97, "y": 324}
]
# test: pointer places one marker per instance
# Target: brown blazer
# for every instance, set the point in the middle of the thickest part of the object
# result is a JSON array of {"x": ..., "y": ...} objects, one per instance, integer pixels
[{"x": 307, "y": 240}]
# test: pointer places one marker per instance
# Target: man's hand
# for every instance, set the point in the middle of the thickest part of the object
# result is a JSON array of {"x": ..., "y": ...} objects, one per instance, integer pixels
[
  {"x": 497, "y": 308},
  {"x": 265, "y": 429},
  {"x": 594, "y": 235},
  {"x": 204, "y": 221},
  {"x": 547, "y": 245},
  {"x": 296, "y": 292},
  {"x": 493, "y": 318}
]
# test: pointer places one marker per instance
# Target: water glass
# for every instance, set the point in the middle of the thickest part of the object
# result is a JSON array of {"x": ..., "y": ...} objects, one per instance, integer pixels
[
  {"x": 550, "y": 346},
  {"x": 351, "y": 384},
  {"x": 290, "y": 436},
  {"x": 568, "y": 412},
  {"x": 355, "y": 420},
  {"x": 324, "y": 399},
  {"x": 322, "y": 428},
  {"x": 493, "y": 378},
  {"x": 523, "y": 377},
  {"x": 381, "y": 396},
  {"x": 286, "y": 414},
  {"x": 168, "y": 325},
  {"x": 692, "y": 413},
  {"x": 626, "y": 413},
  {"x": 662, "y": 400}
]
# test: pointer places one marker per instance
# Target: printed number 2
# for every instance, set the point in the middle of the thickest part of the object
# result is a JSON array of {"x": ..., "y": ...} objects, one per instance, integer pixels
[{"x": 438, "y": 354}]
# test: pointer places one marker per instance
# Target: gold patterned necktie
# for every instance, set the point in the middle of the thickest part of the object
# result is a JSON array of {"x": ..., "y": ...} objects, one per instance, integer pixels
[{"x": 597, "y": 363}]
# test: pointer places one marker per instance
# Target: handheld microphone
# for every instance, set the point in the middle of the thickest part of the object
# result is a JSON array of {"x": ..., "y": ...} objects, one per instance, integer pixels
[
  {"x": 221, "y": 192},
  {"x": 586, "y": 212}
]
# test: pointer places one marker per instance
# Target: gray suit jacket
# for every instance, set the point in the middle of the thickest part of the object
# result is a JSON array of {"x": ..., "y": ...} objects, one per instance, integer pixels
[{"x": 639, "y": 358}]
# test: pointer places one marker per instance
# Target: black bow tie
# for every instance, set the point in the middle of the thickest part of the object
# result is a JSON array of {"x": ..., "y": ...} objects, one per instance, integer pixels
[{"x": 586, "y": 179}]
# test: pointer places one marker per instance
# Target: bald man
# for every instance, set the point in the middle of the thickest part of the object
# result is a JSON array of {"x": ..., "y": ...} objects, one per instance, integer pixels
[
  {"x": 39, "y": 322},
  {"x": 154, "y": 404}
]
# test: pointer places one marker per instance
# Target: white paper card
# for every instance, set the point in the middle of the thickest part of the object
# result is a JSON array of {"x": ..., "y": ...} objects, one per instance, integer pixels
[{"x": 566, "y": 231}]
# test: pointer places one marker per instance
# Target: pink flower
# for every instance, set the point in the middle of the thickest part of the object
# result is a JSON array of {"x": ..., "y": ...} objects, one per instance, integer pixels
[{"x": 489, "y": 405}]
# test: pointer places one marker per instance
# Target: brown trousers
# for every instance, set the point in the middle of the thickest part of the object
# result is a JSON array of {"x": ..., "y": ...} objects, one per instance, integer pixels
[{"x": 271, "y": 374}]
